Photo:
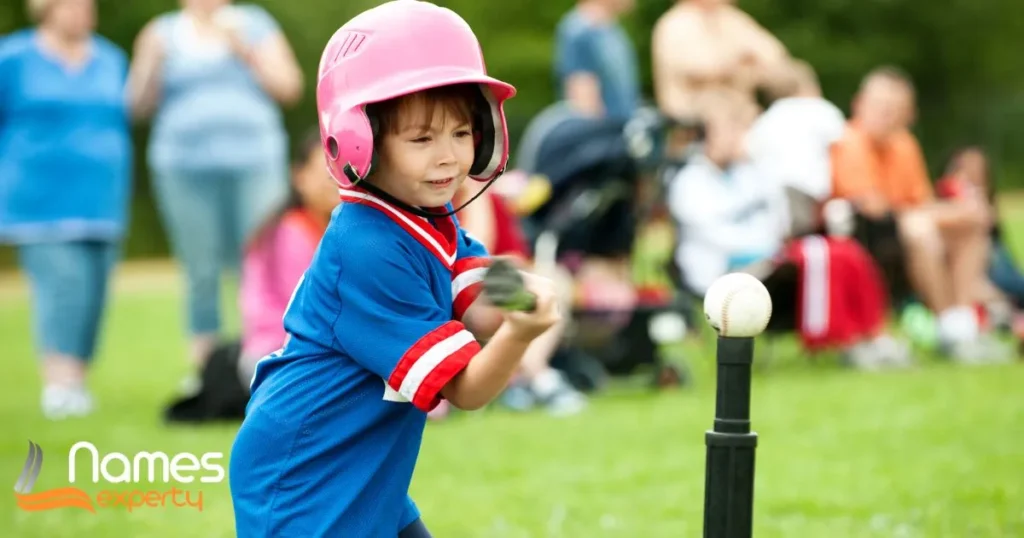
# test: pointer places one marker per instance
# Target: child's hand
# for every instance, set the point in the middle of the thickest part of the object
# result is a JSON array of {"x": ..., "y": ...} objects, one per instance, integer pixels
[{"x": 529, "y": 325}]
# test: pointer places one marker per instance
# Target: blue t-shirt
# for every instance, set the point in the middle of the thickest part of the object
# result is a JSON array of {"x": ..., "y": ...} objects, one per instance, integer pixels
[
  {"x": 336, "y": 418},
  {"x": 65, "y": 143},
  {"x": 605, "y": 51},
  {"x": 213, "y": 113}
]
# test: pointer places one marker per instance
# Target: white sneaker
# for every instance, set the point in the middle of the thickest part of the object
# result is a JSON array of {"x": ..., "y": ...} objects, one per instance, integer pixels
[
  {"x": 897, "y": 353},
  {"x": 864, "y": 356},
  {"x": 557, "y": 395},
  {"x": 566, "y": 402},
  {"x": 190, "y": 385},
  {"x": 985, "y": 349},
  {"x": 60, "y": 402}
]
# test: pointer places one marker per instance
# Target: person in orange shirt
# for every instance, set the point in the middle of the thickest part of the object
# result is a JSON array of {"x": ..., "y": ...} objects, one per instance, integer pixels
[{"x": 878, "y": 165}]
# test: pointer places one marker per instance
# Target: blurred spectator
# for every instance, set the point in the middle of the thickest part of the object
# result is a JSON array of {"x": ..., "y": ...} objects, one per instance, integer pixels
[
  {"x": 489, "y": 220},
  {"x": 968, "y": 177},
  {"x": 732, "y": 218},
  {"x": 596, "y": 64},
  {"x": 598, "y": 77},
  {"x": 879, "y": 166},
  {"x": 273, "y": 264},
  {"x": 791, "y": 143},
  {"x": 65, "y": 174},
  {"x": 280, "y": 252},
  {"x": 702, "y": 46},
  {"x": 214, "y": 73}
]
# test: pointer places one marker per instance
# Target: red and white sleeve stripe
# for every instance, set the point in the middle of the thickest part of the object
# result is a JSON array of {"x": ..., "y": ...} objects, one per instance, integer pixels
[
  {"x": 467, "y": 278},
  {"x": 432, "y": 362}
]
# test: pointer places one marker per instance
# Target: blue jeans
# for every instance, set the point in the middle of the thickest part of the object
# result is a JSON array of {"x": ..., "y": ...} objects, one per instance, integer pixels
[
  {"x": 69, "y": 292},
  {"x": 1004, "y": 274},
  {"x": 208, "y": 217}
]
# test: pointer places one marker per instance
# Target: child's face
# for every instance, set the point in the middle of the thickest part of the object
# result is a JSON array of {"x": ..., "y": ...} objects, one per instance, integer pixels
[
  {"x": 74, "y": 17},
  {"x": 425, "y": 165},
  {"x": 974, "y": 168},
  {"x": 318, "y": 191},
  {"x": 725, "y": 135},
  {"x": 883, "y": 107}
]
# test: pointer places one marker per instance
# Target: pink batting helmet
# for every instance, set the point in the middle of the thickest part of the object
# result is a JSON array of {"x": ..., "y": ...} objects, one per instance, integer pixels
[{"x": 399, "y": 48}]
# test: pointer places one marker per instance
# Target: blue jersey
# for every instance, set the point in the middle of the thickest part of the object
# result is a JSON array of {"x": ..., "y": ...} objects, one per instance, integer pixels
[
  {"x": 334, "y": 425},
  {"x": 65, "y": 143}
]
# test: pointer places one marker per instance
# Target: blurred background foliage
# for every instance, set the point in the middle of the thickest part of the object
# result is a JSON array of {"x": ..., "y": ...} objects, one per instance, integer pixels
[{"x": 964, "y": 56}]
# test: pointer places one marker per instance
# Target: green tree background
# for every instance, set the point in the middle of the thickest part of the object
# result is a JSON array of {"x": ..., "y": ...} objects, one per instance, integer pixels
[{"x": 964, "y": 56}]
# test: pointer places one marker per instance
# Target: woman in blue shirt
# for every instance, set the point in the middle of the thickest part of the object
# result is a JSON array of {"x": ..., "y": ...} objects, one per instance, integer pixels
[
  {"x": 65, "y": 162},
  {"x": 212, "y": 75}
]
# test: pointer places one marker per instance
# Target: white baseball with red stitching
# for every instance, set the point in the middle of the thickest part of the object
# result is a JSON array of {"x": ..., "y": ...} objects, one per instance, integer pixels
[{"x": 738, "y": 305}]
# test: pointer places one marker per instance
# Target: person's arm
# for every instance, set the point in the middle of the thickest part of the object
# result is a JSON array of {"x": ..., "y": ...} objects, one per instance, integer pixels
[
  {"x": 765, "y": 52},
  {"x": 970, "y": 210},
  {"x": 489, "y": 373},
  {"x": 578, "y": 72},
  {"x": 263, "y": 46},
  {"x": 143, "y": 87},
  {"x": 472, "y": 261},
  {"x": 390, "y": 322}
]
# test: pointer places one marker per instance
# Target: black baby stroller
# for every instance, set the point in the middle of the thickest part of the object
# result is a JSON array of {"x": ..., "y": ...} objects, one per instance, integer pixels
[{"x": 595, "y": 168}]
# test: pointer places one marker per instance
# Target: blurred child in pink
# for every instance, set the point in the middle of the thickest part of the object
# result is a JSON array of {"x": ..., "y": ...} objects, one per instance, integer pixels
[{"x": 281, "y": 251}]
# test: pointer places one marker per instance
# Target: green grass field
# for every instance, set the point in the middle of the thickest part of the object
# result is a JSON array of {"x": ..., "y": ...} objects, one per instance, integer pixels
[{"x": 934, "y": 452}]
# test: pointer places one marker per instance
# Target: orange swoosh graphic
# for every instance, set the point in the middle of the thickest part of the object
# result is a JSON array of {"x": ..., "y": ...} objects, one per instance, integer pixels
[{"x": 55, "y": 498}]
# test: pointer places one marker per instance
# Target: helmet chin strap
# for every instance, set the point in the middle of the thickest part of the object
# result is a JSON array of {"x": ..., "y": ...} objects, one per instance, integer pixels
[{"x": 362, "y": 183}]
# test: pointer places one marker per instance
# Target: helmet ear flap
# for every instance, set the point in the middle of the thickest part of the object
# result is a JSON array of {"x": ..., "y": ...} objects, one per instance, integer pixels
[
  {"x": 331, "y": 146},
  {"x": 348, "y": 143}
]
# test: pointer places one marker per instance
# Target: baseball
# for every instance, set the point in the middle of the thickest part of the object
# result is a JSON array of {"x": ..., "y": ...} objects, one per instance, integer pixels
[{"x": 738, "y": 305}]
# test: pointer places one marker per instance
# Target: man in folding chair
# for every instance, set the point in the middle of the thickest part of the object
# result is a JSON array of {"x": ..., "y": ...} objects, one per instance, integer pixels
[{"x": 935, "y": 250}]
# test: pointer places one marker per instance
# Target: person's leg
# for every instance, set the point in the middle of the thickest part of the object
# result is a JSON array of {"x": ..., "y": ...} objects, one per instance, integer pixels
[
  {"x": 882, "y": 240},
  {"x": 967, "y": 243},
  {"x": 102, "y": 259},
  {"x": 969, "y": 251},
  {"x": 545, "y": 384},
  {"x": 254, "y": 197},
  {"x": 61, "y": 291},
  {"x": 538, "y": 380},
  {"x": 927, "y": 267},
  {"x": 538, "y": 355},
  {"x": 192, "y": 215}
]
